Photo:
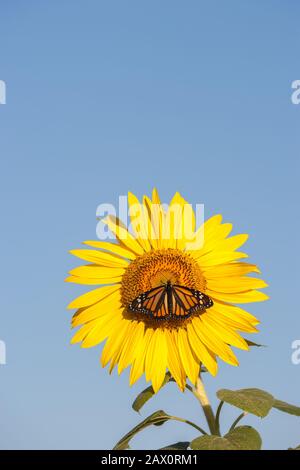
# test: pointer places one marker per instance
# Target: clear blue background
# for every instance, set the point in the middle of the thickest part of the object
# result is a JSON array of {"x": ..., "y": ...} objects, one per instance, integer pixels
[{"x": 105, "y": 97}]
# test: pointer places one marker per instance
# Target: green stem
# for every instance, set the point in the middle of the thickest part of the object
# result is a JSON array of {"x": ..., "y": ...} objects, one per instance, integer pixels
[
  {"x": 181, "y": 420},
  {"x": 200, "y": 394},
  {"x": 218, "y": 416},
  {"x": 238, "y": 419}
]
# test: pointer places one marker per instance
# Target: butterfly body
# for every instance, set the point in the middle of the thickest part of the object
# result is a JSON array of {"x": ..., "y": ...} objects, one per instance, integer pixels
[{"x": 170, "y": 301}]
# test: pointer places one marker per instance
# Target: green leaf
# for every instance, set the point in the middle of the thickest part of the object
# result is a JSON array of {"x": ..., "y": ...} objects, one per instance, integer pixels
[
  {"x": 251, "y": 343},
  {"x": 146, "y": 394},
  {"x": 211, "y": 443},
  {"x": 176, "y": 446},
  {"x": 252, "y": 400},
  {"x": 157, "y": 418},
  {"x": 241, "y": 438},
  {"x": 286, "y": 407},
  {"x": 244, "y": 438}
]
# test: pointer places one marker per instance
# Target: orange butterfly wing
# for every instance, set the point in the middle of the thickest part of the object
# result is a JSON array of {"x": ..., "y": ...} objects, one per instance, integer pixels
[
  {"x": 170, "y": 301},
  {"x": 153, "y": 303}
]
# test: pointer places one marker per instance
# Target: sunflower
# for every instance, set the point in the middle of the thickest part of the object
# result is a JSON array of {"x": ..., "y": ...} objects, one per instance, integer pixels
[{"x": 164, "y": 248}]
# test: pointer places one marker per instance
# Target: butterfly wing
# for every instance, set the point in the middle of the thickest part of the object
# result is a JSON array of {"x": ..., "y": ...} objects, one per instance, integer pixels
[
  {"x": 170, "y": 301},
  {"x": 154, "y": 302},
  {"x": 187, "y": 301}
]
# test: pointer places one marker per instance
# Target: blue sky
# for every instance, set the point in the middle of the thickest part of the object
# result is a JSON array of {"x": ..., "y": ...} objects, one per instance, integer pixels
[{"x": 106, "y": 97}]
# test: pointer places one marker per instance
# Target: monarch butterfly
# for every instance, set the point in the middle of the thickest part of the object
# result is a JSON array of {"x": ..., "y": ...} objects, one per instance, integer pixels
[{"x": 170, "y": 301}]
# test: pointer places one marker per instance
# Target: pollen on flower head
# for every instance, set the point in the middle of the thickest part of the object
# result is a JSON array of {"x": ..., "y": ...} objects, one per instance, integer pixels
[{"x": 156, "y": 268}]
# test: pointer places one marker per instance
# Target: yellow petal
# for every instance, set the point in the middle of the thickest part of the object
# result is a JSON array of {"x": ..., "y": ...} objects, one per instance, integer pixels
[
  {"x": 84, "y": 316},
  {"x": 213, "y": 343},
  {"x": 188, "y": 358},
  {"x": 171, "y": 223},
  {"x": 219, "y": 257},
  {"x": 233, "y": 284},
  {"x": 153, "y": 229},
  {"x": 233, "y": 312},
  {"x": 135, "y": 337},
  {"x": 156, "y": 359},
  {"x": 93, "y": 281},
  {"x": 82, "y": 332},
  {"x": 173, "y": 361},
  {"x": 113, "y": 247},
  {"x": 181, "y": 220},
  {"x": 155, "y": 197},
  {"x": 137, "y": 369},
  {"x": 115, "y": 341},
  {"x": 211, "y": 226},
  {"x": 87, "y": 329},
  {"x": 224, "y": 333},
  {"x": 116, "y": 355},
  {"x": 114, "y": 360},
  {"x": 123, "y": 235},
  {"x": 157, "y": 217},
  {"x": 97, "y": 272},
  {"x": 202, "y": 352},
  {"x": 227, "y": 270},
  {"x": 139, "y": 220},
  {"x": 108, "y": 305},
  {"x": 236, "y": 325},
  {"x": 238, "y": 298},
  {"x": 102, "y": 329},
  {"x": 214, "y": 235},
  {"x": 100, "y": 258},
  {"x": 232, "y": 243},
  {"x": 209, "y": 234},
  {"x": 92, "y": 297}
]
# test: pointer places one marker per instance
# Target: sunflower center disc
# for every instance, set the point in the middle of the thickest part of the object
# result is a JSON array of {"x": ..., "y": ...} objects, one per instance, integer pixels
[{"x": 157, "y": 268}]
